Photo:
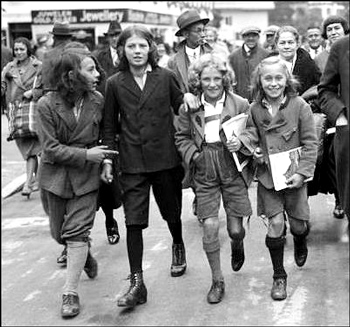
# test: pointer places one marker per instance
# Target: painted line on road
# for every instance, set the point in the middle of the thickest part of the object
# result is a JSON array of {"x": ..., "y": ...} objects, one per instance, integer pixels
[
  {"x": 13, "y": 186},
  {"x": 10, "y": 223}
]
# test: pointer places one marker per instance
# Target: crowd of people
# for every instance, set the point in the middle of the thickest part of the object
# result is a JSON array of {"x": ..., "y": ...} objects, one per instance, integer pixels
[{"x": 136, "y": 115}]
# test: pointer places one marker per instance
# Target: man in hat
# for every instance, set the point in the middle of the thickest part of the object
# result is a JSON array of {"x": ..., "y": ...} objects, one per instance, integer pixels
[
  {"x": 62, "y": 34},
  {"x": 108, "y": 56},
  {"x": 244, "y": 60},
  {"x": 192, "y": 29},
  {"x": 269, "y": 43}
]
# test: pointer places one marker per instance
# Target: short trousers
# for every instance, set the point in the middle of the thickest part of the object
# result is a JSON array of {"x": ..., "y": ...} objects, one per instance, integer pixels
[
  {"x": 167, "y": 190},
  {"x": 293, "y": 201},
  {"x": 216, "y": 175}
]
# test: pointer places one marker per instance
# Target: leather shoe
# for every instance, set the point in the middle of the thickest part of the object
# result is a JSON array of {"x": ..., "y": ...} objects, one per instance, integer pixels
[
  {"x": 300, "y": 250},
  {"x": 237, "y": 255},
  {"x": 62, "y": 259},
  {"x": 216, "y": 292},
  {"x": 338, "y": 212},
  {"x": 178, "y": 265},
  {"x": 113, "y": 233},
  {"x": 70, "y": 305},
  {"x": 279, "y": 289},
  {"x": 91, "y": 267}
]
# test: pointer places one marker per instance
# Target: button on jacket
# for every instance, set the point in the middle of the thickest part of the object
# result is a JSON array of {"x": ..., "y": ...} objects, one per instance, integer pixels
[{"x": 144, "y": 120}]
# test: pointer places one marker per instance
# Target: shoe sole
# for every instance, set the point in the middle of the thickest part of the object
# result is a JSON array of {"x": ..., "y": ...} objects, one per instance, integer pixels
[{"x": 131, "y": 306}]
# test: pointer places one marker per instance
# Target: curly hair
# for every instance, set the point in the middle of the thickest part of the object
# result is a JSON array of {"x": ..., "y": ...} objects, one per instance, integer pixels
[
  {"x": 26, "y": 42},
  {"x": 143, "y": 32},
  {"x": 208, "y": 60},
  {"x": 70, "y": 61},
  {"x": 256, "y": 86}
]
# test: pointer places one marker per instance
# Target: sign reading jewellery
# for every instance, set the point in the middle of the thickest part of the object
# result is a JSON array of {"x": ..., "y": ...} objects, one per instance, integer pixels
[{"x": 100, "y": 16}]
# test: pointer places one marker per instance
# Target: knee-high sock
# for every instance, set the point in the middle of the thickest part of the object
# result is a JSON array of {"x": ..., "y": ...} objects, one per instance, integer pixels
[
  {"x": 76, "y": 258},
  {"x": 276, "y": 248},
  {"x": 212, "y": 250},
  {"x": 134, "y": 242},
  {"x": 176, "y": 232}
]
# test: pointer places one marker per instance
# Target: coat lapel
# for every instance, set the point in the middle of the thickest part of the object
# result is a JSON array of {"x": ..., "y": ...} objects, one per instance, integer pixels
[
  {"x": 198, "y": 122},
  {"x": 151, "y": 83},
  {"x": 66, "y": 114}
]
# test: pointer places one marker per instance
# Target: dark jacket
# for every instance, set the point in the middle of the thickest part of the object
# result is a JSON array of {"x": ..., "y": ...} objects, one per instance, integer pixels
[
  {"x": 306, "y": 71},
  {"x": 104, "y": 57},
  {"x": 143, "y": 119},
  {"x": 179, "y": 64},
  {"x": 243, "y": 66}
]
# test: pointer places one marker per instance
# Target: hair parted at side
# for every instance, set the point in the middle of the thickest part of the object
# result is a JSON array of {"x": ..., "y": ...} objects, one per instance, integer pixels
[
  {"x": 208, "y": 60},
  {"x": 256, "y": 86},
  {"x": 26, "y": 42},
  {"x": 288, "y": 28},
  {"x": 142, "y": 32}
]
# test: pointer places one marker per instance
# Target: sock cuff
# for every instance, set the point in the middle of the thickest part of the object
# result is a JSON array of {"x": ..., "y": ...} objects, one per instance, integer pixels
[{"x": 274, "y": 242}]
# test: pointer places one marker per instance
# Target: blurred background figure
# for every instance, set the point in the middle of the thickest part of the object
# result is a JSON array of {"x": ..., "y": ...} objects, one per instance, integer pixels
[
  {"x": 108, "y": 56},
  {"x": 164, "y": 53},
  {"x": 219, "y": 47},
  {"x": 333, "y": 28},
  {"x": 315, "y": 43},
  {"x": 244, "y": 60},
  {"x": 6, "y": 56},
  {"x": 61, "y": 34},
  {"x": 41, "y": 47},
  {"x": 270, "y": 33},
  {"x": 83, "y": 37},
  {"x": 17, "y": 82}
]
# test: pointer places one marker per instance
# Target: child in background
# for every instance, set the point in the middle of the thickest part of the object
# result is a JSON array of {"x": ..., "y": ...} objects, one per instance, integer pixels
[{"x": 280, "y": 120}]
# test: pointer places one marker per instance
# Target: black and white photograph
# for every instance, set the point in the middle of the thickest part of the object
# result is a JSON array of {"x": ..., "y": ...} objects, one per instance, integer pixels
[{"x": 130, "y": 195}]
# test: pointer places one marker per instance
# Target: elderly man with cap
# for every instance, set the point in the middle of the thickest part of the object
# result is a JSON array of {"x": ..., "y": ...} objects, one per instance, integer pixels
[
  {"x": 244, "y": 60},
  {"x": 108, "y": 56},
  {"x": 62, "y": 34},
  {"x": 270, "y": 33}
]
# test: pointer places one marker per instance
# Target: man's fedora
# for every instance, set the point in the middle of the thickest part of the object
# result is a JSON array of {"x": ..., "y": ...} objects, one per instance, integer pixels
[
  {"x": 114, "y": 28},
  {"x": 61, "y": 28},
  {"x": 188, "y": 18}
]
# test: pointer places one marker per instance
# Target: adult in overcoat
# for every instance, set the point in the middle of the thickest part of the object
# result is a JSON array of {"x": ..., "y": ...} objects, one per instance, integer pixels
[{"x": 334, "y": 99}]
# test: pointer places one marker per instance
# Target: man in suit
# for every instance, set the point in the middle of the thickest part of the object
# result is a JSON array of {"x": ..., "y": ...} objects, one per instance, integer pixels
[
  {"x": 108, "y": 56},
  {"x": 192, "y": 28},
  {"x": 314, "y": 41},
  {"x": 244, "y": 60},
  {"x": 334, "y": 99}
]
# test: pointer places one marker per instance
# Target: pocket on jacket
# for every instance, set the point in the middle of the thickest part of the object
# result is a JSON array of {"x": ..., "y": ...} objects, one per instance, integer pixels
[{"x": 288, "y": 134}]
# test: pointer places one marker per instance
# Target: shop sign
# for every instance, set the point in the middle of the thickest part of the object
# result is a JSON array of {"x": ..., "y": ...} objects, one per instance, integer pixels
[{"x": 99, "y": 16}]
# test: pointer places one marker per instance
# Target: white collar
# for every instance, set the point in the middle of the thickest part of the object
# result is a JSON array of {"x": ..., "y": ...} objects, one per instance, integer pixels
[{"x": 220, "y": 101}]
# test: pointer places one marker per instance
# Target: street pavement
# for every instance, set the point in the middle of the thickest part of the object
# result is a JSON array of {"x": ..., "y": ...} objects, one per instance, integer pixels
[{"x": 318, "y": 293}]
